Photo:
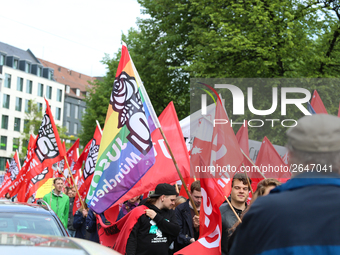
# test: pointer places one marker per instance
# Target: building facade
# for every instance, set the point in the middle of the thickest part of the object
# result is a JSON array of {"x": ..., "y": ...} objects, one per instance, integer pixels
[
  {"x": 24, "y": 78},
  {"x": 76, "y": 89}
]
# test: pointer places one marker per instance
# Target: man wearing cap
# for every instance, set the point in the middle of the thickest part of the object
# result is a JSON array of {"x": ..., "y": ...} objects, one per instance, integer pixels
[
  {"x": 157, "y": 228},
  {"x": 302, "y": 215}
]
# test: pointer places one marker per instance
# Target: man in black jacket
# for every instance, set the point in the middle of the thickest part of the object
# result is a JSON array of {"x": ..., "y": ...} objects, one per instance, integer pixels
[
  {"x": 186, "y": 218},
  {"x": 154, "y": 231},
  {"x": 239, "y": 195}
]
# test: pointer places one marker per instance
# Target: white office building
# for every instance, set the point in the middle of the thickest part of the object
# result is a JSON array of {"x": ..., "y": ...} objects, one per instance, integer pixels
[{"x": 23, "y": 78}]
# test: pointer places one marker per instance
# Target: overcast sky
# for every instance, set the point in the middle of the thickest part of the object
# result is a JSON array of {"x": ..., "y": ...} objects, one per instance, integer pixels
[{"x": 72, "y": 33}]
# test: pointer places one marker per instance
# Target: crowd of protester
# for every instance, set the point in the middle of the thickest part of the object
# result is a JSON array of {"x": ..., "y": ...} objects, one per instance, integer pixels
[{"x": 297, "y": 217}]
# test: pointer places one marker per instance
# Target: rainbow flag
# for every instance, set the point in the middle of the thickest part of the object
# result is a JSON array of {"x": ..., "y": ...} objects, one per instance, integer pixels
[{"x": 126, "y": 150}]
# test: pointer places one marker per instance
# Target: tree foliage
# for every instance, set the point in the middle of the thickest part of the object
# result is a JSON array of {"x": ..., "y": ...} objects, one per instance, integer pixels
[{"x": 183, "y": 39}]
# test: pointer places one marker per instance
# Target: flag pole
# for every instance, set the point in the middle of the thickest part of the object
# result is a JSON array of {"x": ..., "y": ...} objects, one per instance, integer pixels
[
  {"x": 158, "y": 125},
  {"x": 179, "y": 173},
  {"x": 257, "y": 168},
  {"x": 58, "y": 169},
  {"x": 245, "y": 172},
  {"x": 69, "y": 170},
  {"x": 232, "y": 208}
]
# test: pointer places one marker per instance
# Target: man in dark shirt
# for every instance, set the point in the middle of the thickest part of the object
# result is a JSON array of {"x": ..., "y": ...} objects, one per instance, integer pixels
[
  {"x": 157, "y": 228},
  {"x": 186, "y": 218}
]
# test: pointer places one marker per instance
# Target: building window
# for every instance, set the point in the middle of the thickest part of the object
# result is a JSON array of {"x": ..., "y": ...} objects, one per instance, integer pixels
[
  {"x": 17, "y": 122},
  {"x": 20, "y": 84},
  {"x": 27, "y": 106},
  {"x": 75, "y": 130},
  {"x": 57, "y": 113},
  {"x": 3, "y": 143},
  {"x": 78, "y": 92},
  {"x": 16, "y": 64},
  {"x": 49, "y": 92},
  {"x": 40, "y": 107},
  {"x": 87, "y": 94},
  {"x": 7, "y": 80},
  {"x": 28, "y": 68},
  {"x": 3, "y": 163},
  {"x": 29, "y": 86},
  {"x": 59, "y": 95},
  {"x": 50, "y": 74},
  {"x": 16, "y": 144},
  {"x": 67, "y": 89},
  {"x": 5, "y": 103},
  {"x": 2, "y": 59},
  {"x": 84, "y": 111},
  {"x": 68, "y": 110},
  {"x": 4, "y": 122},
  {"x": 67, "y": 127},
  {"x": 39, "y": 71},
  {"x": 76, "y": 108},
  {"x": 40, "y": 90},
  {"x": 18, "y": 103}
]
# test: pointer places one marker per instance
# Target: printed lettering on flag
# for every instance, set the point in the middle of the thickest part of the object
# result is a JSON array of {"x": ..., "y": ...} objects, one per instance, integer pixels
[{"x": 126, "y": 151}]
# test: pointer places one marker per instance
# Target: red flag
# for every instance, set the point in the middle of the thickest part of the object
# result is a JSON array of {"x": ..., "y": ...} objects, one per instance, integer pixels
[
  {"x": 118, "y": 233},
  {"x": 90, "y": 154},
  {"x": 7, "y": 166},
  {"x": 210, "y": 221},
  {"x": 317, "y": 103},
  {"x": 163, "y": 171},
  {"x": 242, "y": 138},
  {"x": 12, "y": 171},
  {"x": 44, "y": 153},
  {"x": 270, "y": 162},
  {"x": 188, "y": 182},
  {"x": 72, "y": 157}
]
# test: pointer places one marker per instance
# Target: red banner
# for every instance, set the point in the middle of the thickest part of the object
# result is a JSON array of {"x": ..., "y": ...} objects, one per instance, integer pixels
[
  {"x": 12, "y": 171},
  {"x": 84, "y": 177},
  {"x": 46, "y": 151}
]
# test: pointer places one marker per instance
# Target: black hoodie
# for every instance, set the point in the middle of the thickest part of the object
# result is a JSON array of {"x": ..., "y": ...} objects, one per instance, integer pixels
[{"x": 153, "y": 237}]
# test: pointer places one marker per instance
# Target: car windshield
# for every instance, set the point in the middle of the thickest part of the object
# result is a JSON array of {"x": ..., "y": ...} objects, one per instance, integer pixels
[{"x": 29, "y": 223}]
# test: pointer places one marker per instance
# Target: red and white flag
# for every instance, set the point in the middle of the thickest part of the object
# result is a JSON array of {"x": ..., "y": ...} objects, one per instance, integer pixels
[
  {"x": 12, "y": 170},
  {"x": 85, "y": 176},
  {"x": 37, "y": 167}
]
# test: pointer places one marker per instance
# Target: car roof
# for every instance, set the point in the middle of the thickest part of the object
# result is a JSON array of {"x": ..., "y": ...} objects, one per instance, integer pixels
[
  {"x": 8, "y": 206},
  {"x": 20, "y": 243}
]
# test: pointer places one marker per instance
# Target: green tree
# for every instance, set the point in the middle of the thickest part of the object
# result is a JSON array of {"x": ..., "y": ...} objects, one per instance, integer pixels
[
  {"x": 185, "y": 39},
  {"x": 98, "y": 100}
]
